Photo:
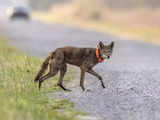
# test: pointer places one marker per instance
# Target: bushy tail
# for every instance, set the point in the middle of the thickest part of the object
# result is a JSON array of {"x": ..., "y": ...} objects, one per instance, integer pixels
[{"x": 42, "y": 69}]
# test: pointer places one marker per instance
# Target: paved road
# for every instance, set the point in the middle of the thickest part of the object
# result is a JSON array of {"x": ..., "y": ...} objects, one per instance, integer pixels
[{"x": 131, "y": 76}]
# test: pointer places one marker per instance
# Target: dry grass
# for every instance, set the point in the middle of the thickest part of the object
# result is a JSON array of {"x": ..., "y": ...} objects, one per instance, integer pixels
[{"x": 141, "y": 24}]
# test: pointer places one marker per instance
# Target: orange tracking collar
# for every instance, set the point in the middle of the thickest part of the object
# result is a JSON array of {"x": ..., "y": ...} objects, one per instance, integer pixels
[{"x": 98, "y": 56}]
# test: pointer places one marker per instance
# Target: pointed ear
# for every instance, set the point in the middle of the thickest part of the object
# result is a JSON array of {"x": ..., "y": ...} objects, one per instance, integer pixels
[
  {"x": 112, "y": 44},
  {"x": 100, "y": 44}
]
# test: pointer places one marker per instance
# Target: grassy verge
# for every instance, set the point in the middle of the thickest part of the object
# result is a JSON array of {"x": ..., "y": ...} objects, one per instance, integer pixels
[
  {"x": 19, "y": 96},
  {"x": 139, "y": 25}
]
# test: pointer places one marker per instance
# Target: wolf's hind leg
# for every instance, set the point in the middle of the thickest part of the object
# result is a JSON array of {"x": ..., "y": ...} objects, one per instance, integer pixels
[
  {"x": 63, "y": 70},
  {"x": 53, "y": 70}
]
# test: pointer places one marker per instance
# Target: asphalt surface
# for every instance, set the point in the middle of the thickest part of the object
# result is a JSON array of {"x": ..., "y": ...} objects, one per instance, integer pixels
[{"x": 131, "y": 76}]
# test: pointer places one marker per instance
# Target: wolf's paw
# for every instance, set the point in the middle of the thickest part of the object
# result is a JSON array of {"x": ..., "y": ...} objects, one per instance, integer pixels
[
  {"x": 68, "y": 90},
  {"x": 87, "y": 90},
  {"x": 103, "y": 86}
]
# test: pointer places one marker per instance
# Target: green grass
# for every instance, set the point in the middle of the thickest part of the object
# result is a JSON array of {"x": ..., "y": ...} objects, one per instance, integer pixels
[{"x": 19, "y": 96}]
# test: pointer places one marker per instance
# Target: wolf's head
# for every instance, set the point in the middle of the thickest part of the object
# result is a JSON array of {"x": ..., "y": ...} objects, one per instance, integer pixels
[{"x": 105, "y": 51}]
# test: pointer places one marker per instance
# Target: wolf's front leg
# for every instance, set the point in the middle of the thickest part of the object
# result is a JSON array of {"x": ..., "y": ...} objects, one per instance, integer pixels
[
  {"x": 82, "y": 79},
  {"x": 97, "y": 75}
]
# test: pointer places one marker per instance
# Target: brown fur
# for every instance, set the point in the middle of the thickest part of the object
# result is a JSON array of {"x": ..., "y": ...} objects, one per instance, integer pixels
[{"x": 85, "y": 58}]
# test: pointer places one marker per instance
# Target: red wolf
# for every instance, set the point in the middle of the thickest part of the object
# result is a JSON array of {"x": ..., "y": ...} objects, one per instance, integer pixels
[{"x": 85, "y": 58}]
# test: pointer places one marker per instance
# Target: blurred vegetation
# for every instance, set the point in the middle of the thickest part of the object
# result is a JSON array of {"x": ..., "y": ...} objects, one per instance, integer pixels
[
  {"x": 19, "y": 97},
  {"x": 99, "y": 9},
  {"x": 131, "y": 4},
  {"x": 112, "y": 4},
  {"x": 40, "y": 4},
  {"x": 45, "y": 4},
  {"x": 130, "y": 19}
]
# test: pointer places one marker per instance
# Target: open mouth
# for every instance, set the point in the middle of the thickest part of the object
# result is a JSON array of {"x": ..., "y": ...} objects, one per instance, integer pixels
[{"x": 108, "y": 57}]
